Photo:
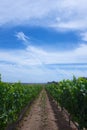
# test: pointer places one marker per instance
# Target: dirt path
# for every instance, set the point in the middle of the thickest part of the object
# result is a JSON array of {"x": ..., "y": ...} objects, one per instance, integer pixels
[{"x": 41, "y": 116}]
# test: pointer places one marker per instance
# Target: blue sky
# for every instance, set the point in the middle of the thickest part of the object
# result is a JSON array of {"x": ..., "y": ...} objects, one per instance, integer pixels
[{"x": 43, "y": 40}]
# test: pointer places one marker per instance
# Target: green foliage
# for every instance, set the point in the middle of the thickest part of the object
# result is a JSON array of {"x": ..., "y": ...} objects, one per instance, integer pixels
[
  {"x": 0, "y": 77},
  {"x": 72, "y": 95},
  {"x": 13, "y": 98}
]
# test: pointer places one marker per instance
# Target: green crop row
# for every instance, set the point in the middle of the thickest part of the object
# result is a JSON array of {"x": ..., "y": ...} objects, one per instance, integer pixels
[
  {"x": 13, "y": 98},
  {"x": 72, "y": 95}
]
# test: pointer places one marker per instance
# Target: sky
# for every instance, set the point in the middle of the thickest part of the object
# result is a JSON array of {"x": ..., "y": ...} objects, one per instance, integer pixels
[{"x": 44, "y": 40}]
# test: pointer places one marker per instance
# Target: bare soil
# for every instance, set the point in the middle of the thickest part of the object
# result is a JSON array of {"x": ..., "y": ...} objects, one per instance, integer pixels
[{"x": 44, "y": 114}]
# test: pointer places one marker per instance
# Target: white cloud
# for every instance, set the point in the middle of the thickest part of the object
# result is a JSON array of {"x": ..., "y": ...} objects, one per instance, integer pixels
[
  {"x": 37, "y": 56},
  {"x": 84, "y": 36},
  {"x": 33, "y": 64},
  {"x": 70, "y": 25},
  {"x": 18, "y": 12},
  {"x": 72, "y": 14},
  {"x": 64, "y": 14},
  {"x": 81, "y": 50},
  {"x": 39, "y": 73},
  {"x": 22, "y": 36}
]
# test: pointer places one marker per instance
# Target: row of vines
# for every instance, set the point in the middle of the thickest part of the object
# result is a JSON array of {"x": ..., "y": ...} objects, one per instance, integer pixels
[
  {"x": 14, "y": 98},
  {"x": 72, "y": 95}
]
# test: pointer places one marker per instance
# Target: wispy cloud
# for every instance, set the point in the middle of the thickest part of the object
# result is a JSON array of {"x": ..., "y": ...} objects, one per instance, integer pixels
[
  {"x": 33, "y": 55},
  {"x": 34, "y": 64},
  {"x": 21, "y": 36},
  {"x": 38, "y": 73}
]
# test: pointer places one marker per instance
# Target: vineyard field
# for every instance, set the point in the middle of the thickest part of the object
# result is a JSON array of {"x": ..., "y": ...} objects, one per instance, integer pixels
[
  {"x": 72, "y": 96},
  {"x": 69, "y": 95},
  {"x": 14, "y": 98}
]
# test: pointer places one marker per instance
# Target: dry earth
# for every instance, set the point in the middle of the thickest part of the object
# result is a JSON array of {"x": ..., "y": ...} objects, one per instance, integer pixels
[{"x": 44, "y": 115}]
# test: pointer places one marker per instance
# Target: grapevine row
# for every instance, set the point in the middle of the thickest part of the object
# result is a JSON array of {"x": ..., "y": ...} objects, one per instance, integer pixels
[
  {"x": 72, "y": 95},
  {"x": 13, "y": 98}
]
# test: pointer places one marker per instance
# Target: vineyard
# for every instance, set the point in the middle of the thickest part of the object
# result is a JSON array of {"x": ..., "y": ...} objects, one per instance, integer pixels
[
  {"x": 13, "y": 99},
  {"x": 72, "y": 96}
]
